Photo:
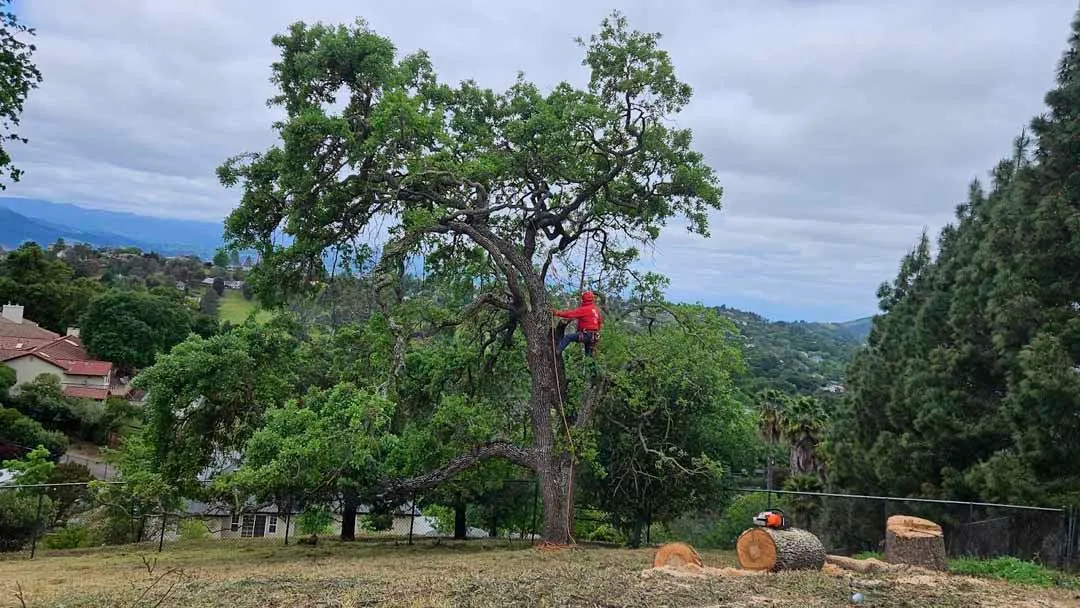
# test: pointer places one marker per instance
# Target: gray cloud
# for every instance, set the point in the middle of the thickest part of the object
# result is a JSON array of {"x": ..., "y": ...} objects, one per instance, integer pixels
[{"x": 840, "y": 129}]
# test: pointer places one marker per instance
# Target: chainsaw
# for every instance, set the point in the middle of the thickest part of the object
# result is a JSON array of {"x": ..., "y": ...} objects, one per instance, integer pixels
[{"x": 773, "y": 518}]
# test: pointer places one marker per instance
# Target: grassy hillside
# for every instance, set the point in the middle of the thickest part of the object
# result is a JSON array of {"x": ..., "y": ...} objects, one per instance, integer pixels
[
  {"x": 799, "y": 357},
  {"x": 479, "y": 574},
  {"x": 235, "y": 309}
]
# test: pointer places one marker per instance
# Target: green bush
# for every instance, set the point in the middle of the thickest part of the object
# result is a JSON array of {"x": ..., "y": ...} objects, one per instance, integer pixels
[
  {"x": 193, "y": 529},
  {"x": 71, "y": 536},
  {"x": 1013, "y": 570},
  {"x": 736, "y": 518},
  {"x": 604, "y": 533},
  {"x": 18, "y": 518},
  {"x": 24, "y": 430},
  {"x": 313, "y": 521},
  {"x": 377, "y": 522},
  {"x": 441, "y": 518}
]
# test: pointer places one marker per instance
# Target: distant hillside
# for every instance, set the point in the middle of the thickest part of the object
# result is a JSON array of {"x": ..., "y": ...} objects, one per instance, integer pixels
[
  {"x": 16, "y": 228},
  {"x": 859, "y": 328},
  {"x": 797, "y": 357},
  {"x": 166, "y": 236}
]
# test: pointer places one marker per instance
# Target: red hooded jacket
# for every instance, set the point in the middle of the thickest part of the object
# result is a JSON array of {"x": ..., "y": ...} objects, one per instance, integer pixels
[{"x": 588, "y": 315}]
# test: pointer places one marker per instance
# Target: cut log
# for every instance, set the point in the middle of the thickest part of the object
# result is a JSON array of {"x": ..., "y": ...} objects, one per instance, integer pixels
[
  {"x": 915, "y": 541},
  {"x": 676, "y": 554},
  {"x": 775, "y": 550}
]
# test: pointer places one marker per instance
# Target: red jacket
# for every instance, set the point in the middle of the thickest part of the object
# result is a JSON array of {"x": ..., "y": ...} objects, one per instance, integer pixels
[{"x": 588, "y": 315}]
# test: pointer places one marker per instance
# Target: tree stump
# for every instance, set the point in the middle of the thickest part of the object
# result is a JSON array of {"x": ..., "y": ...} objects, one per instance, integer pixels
[
  {"x": 775, "y": 550},
  {"x": 915, "y": 541},
  {"x": 676, "y": 554}
]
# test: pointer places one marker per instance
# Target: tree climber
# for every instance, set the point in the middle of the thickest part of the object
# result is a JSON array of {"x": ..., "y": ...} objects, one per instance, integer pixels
[{"x": 589, "y": 320}]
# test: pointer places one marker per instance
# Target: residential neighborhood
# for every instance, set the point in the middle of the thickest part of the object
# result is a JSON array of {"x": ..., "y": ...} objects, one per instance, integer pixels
[{"x": 31, "y": 350}]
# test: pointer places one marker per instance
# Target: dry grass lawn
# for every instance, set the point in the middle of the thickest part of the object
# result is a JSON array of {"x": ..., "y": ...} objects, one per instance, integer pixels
[{"x": 244, "y": 574}]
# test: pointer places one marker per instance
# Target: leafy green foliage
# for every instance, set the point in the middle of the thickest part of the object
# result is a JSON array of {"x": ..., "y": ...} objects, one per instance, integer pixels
[
  {"x": 794, "y": 358},
  {"x": 968, "y": 388},
  {"x": 18, "y": 518},
  {"x": 20, "y": 77},
  {"x": 1013, "y": 570},
  {"x": 129, "y": 328},
  {"x": 70, "y": 536},
  {"x": 23, "y": 432},
  {"x": 313, "y": 521},
  {"x": 44, "y": 286},
  {"x": 306, "y": 447},
  {"x": 210, "y": 394},
  {"x": 671, "y": 425},
  {"x": 737, "y": 517}
]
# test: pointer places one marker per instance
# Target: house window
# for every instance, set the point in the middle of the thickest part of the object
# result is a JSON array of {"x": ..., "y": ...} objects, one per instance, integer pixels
[
  {"x": 271, "y": 525},
  {"x": 235, "y": 527}
]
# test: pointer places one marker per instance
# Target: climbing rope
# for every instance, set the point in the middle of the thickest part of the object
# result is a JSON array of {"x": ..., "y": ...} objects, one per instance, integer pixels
[{"x": 569, "y": 435}]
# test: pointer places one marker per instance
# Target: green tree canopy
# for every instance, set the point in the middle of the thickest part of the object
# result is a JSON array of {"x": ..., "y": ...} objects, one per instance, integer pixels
[
  {"x": 131, "y": 327},
  {"x": 969, "y": 386},
  {"x": 20, "y": 77},
  {"x": 495, "y": 185}
]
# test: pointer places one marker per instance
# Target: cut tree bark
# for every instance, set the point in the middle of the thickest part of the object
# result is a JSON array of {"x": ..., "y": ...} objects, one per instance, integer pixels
[
  {"x": 775, "y": 550},
  {"x": 676, "y": 554},
  {"x": 915, "y": 541}
]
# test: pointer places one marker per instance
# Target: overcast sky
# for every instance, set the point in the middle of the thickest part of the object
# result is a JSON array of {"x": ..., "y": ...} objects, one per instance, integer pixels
[{"x": 840, "y": 129}]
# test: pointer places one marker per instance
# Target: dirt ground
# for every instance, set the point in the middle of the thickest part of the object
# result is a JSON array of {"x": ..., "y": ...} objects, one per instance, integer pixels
[{"x": 245, "y": 574}]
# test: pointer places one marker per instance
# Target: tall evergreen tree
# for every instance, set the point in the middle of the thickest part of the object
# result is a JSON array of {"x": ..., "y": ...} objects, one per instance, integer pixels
[{"x": 969, "y": 386}]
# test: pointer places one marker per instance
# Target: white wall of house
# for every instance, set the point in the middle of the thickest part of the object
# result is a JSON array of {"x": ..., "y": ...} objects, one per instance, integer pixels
[
  {"x": 94, "y": 381},
  {"x": 29, "y": 367}
]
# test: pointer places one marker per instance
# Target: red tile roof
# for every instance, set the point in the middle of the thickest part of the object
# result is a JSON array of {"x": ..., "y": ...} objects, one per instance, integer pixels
[
  {"x": 84, "y": 368},
  {"x": 66, "y": 347},
  {"x": 26, "y": 329},
  {"x": 86, "y": 392}
]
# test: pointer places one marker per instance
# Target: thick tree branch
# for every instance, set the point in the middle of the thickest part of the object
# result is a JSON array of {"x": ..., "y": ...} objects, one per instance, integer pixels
[
  {"x": 497, "y": 448},
  {"x": 593, "y": 395}
]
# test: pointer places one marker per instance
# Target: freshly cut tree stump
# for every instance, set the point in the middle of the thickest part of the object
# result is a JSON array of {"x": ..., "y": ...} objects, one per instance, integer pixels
[
  {"x": 915, "y": 541},
  {"x": 676, "y": 554},
  {"x": 775, "y": 550}
]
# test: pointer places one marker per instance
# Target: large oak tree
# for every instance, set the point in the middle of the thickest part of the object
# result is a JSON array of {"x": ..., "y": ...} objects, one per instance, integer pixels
[{"x": 522, "y": 177}]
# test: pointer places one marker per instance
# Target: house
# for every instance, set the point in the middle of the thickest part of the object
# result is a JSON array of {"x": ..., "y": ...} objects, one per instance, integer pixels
[
  {"x": 31, "y": 350},
  {"x": 270, "y": 521}
]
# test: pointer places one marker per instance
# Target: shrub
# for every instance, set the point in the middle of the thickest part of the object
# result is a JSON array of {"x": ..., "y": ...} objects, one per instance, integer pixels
[
  {"x": 736, "y": 518},
  {"x": 1013, "y": 570},
  {"x": 18, "y": 518},
  {"x": 313, "y": 521},
  {"x": 71, "y": 536},
  {"x": 193, "y": 529},
  {"x": 377, "y": 522},
  {"x": 604, "y": 533}
]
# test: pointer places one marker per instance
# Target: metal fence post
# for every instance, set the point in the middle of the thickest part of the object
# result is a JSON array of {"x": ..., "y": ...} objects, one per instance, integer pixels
[
  {"x": 37, "y": 524},
  {"x": 161, "y": 538},
  {"x": 412, "y": 515},
  {"x": 134, "y": 530}
]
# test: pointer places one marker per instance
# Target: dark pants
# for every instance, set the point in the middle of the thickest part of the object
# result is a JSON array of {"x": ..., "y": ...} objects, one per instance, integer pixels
[{"x": 587, "y": 338}]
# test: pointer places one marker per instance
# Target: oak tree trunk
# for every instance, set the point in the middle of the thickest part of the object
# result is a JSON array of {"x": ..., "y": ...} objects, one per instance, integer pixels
[
  {"x": 553, "y": 464},
  {"x": 461, "y": 531},
  {"x": 348, "y": 516}
]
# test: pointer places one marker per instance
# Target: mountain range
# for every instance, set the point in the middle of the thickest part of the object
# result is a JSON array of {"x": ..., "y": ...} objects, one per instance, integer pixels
[{"x": 26, "y": 219}]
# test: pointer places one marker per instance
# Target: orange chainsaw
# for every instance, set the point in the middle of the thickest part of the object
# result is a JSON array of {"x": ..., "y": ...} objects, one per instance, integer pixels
[{"x": 773, "y": 518}]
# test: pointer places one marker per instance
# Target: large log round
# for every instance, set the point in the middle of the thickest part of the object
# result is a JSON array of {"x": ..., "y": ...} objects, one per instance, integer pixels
[
  {"x": 915, "y": 541},
  {"x": 676, "y": 554},
  {"x": 775, "y": 550}
]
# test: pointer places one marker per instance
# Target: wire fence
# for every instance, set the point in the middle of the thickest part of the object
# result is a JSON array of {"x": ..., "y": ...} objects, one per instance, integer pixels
[{"x": 49, "y": 517}]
